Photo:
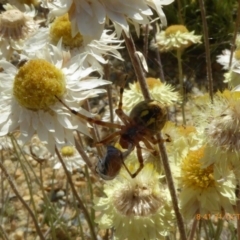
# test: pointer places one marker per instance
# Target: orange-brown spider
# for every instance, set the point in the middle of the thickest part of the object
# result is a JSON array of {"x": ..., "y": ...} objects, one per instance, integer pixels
[{"x": 145, "y": 120}]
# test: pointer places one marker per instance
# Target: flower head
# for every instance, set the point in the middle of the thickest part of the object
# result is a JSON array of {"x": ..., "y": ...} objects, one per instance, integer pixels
[
  {"x": 224, "y": 58},
  {"x": 89, "y": 17},
  {"x": 137, "y": 208},
  {"x": 175, "y": 37},
  {"x": 201, "y": 192},
  {"x": 93, "y": 54},
  {"x": 15, "y": 27},
  {"x": 162, "y": 92},
  {"x": 71, "y": 158},
  {"x": 220, "y": 129},
  {"x": 28, "y": 96}
]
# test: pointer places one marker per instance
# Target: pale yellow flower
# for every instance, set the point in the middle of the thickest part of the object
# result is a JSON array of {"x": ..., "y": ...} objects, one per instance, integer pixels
[
  {"x": 202, "y": 193},
  {"x": 219, "y": 126},
  {"x": 162, "y": 92},
  {"x": 175, "y": 37},
  {"x": 137, "y": 208},
  {"x": 15, "y": 27}
]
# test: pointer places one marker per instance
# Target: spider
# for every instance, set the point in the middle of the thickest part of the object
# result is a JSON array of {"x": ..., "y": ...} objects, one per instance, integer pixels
[{"x": 145, "y": 120}]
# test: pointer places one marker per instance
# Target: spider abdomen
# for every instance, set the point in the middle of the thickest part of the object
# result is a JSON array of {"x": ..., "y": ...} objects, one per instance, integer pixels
[{"x": 150, "y": 114}]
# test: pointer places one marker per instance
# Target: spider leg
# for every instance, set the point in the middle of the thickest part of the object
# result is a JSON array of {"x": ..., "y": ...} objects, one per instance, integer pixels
[
  {"x": 88, "y": 119},
  {"x": 124, "y": 117},
  {"x": 108, "y": 138},
  {"x": 140, "y": 160},
  {"x": 149, "y": 146}
]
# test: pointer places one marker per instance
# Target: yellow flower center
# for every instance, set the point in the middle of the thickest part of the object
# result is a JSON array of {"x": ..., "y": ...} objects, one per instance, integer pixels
[
  {"x": 68, "y": 151},
  {"x": 193, "y": 175},
  {"x": 237, "y": 54},
  {"x": 61, "y": 28},
  {"x": 151, "y": 82},
  {"x": 174, "y": 29},
  {"x": 37, "y": 83}
]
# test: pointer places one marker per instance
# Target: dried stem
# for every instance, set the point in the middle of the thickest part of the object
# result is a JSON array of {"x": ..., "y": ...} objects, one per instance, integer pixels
[
  {"x": 237, "y": 23},
  {"x": 142, "y": 82},
  {"x": 180, "y": 75},
  {"x": 238, "y": 209},
  {"x": 137, "y": 66},
  {"x": 109, "y": 92},
  {"x": 193, "y": 230},
  {"x": 159, "y": 62},
  {"x": 85, "y": 212},
  {"x": 207, "y": 49},
  {"x": 80, "y": 150},
  {"x": 94, "y": 131},
  {"x": 145, "y": 46},
  {"x": 14, "y": 188},
  {"x": 170, "y": 183}
]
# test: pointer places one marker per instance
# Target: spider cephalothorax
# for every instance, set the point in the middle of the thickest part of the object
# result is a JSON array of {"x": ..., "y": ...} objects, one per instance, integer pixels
[{"x": 145, "y": 120}]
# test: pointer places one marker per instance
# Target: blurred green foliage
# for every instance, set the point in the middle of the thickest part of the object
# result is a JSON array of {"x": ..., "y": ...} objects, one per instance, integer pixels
[{"x": 220, "y": 15}]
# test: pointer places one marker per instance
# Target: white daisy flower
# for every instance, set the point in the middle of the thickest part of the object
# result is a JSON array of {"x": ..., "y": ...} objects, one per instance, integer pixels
[
  {"x": 162, "y": 92},
  {"x": 89, "y": 17},
  {"x": 15, "y": 27},
  {"x": 28, "y": 101},
  {"x": 224, "y": 59},
  {"x": 71, "y": 158},
  {"x": 175, "y": 37},
  {"x": 94, "y": 52}
]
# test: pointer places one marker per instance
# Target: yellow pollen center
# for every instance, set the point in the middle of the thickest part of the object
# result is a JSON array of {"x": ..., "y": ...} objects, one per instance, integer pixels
[
  {"x": 237, "y": 54},
  {"x": 174, "y": 29},
  {"x": 37, "y": 83},
  {"x": 192, "y": 173},
  {"x": 151, "y": 82},
  {"x": 61, "y": 28},
  {"x": 68, "y": 151}
]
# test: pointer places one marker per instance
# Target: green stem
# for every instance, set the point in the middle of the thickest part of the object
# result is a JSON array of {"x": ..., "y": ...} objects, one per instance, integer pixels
[{"x": 180, "y": 76}]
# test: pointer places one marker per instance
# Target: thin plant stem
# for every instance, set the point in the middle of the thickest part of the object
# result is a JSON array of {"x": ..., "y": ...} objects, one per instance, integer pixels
[
  {"x": 109, "y": 92},
  {"x": 95, "y": 132},
  {"x": 238, "y": 209},
  {"x": 14, "y": 188},
  {"x": 79, "y": 148},
  {"x": 237, "y": 23},
  {"x": 180, "y": 17},
  {"x": 3, "y": 233},
  {"x": 159, "y": 62},
  {"x": 180, "y": 76},
  {"x": 146, "y": 94},
  {"x": 145, "y": 46},
  {"x": 207, "y": 49},
  {"x": 219, "y": 229},
  {"x": 85, "y": 212},
  {"x": 193, "y": 229},
  {"x": 137, "y": 66},
  {"x": 170, "y": 183}
]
